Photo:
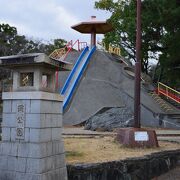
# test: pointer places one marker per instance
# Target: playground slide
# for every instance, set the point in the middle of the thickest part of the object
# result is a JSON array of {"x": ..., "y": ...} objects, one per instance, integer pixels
[{"x": 75, "y": 75}]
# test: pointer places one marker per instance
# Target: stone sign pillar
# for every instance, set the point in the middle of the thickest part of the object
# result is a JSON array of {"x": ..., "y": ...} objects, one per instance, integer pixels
[{"x": 32, "y": 146}]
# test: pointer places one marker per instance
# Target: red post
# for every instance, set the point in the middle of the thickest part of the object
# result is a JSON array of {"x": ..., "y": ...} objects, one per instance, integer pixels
[
  {"x": 57, "y": 79},
  {"x": 137, "y": 93}
]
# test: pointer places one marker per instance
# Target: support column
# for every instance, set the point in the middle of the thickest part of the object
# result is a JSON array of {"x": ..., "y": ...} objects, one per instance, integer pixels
[{"x": 93, "y": 39}]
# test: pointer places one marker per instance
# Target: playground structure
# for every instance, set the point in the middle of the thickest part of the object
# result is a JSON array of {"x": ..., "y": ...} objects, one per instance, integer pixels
[
  {"x": 91, "y": 67},
  {"x": 88, "y": 87},
  {"x": 106, "y": 84},
  {"x": 92, "y": 74},
  {"x": 162, "y": 89},
  {"x": 93, "y": 27},
  {"x": 88, "y": 71}
]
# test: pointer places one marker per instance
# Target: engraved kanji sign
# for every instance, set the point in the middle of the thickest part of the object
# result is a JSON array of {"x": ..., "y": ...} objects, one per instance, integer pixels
[{"x": 20, "y": 121}]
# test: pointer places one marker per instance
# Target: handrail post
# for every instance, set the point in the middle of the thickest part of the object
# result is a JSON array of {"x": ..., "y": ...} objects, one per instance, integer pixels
[
  {"x": 71, "y": 43},
  {"x": 78, "y": 45},
  {"x": 57, "y": 79}
]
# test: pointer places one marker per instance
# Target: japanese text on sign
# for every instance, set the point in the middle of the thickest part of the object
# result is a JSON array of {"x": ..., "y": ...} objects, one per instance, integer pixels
[{"x": 20, "y": 121}]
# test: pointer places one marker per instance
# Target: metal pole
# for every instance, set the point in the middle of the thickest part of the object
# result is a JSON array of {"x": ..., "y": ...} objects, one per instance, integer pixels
[
  {"x": 93, "y": 38},
  {"x": 137, "y": 94}
]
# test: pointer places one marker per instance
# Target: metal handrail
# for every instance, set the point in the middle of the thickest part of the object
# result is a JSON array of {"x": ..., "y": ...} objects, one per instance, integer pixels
[
  {"x": 70, "y": 48},
  {"x": 111, "y": 49},
  {"x": 82, "y": 45},
  {"x": 63, "y": 52},
  {"x": 168, "y": 92},
  {"x": 114, "y": 50}
]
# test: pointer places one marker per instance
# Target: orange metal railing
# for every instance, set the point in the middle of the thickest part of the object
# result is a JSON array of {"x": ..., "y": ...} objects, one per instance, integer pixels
[
  {"x": 63, "y": 52},
  {"x": 168, "y": 92},
  {"x": 114, "y": 50},
  {"x": 111, "y": 49},
  {"x": 57, "y": 53}
]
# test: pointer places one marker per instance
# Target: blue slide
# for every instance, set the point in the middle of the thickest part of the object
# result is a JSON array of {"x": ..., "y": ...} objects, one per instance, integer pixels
[{"x": 75, "y": 75}]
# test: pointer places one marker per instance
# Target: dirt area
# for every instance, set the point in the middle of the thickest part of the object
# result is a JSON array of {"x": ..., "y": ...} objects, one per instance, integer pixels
[{"x": 103, "y": 149}]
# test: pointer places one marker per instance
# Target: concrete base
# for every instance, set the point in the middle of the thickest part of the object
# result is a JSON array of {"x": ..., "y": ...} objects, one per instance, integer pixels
[
  {"x": 36, "y": 161},
  {"x": 57, "y": 174},
  {"x": 137, "y": 137}
]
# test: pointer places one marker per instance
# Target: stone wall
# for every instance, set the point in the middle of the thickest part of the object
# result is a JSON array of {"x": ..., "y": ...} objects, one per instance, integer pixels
[{"x": 144, "y": 168}]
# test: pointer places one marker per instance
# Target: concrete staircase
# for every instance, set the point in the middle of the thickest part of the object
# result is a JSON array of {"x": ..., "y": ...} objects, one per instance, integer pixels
[
  {"x": 175, "y": 104},
  {"x": 175, "y": 117},
  {"x": 164, "y": 105},
  {"x": 169, "y": 109}
]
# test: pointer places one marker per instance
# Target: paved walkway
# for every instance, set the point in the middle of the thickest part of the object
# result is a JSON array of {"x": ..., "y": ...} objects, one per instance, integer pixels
[
  {"x": 169, "y": 138},
  {"x": 163, "y": 135},
  {"x": 81, "y": 131}
]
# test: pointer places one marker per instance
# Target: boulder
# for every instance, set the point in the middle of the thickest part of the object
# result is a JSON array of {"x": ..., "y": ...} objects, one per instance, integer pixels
[{"x": 109, "y": 119}]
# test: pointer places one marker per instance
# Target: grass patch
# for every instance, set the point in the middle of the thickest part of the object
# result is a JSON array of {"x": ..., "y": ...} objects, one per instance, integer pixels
[{"x": 73, "y": 154}]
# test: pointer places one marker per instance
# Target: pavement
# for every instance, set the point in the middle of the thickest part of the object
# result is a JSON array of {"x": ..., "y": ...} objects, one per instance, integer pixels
[
  {"x": 82, "y": 131},
  {"x": 162, "y": 134}
]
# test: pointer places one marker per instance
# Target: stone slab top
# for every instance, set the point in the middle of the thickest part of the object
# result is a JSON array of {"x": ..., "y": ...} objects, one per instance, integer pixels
[
  {"x": 39, "y": 95},
  {"x": 30, "y": 59}
]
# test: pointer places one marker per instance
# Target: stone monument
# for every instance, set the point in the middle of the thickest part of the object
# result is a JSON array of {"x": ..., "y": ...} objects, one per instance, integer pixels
[{"x": 32, "y": 146}]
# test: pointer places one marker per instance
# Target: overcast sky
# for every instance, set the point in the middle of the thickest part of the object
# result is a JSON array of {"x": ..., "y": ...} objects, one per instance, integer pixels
[{"x": 49, "y": 19}]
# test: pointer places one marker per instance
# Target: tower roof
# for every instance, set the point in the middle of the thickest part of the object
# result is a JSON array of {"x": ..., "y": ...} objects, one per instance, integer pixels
[{"x": 99, "y": 27}]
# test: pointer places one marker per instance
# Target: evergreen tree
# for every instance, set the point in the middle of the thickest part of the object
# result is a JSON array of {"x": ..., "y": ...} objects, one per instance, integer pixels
[{"x": 160, "y": 33}]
